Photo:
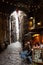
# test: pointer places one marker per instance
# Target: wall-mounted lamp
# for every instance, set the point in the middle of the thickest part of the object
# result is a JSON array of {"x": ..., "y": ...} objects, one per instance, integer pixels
[{"x": 39, "y": 23}]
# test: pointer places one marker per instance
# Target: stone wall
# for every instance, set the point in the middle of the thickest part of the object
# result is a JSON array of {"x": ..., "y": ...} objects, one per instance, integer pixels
[{"x": 4, "y": 29}]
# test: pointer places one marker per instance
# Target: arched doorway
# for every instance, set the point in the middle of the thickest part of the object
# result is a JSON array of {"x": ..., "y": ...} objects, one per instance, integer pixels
[{"x": 16, "y": 25}]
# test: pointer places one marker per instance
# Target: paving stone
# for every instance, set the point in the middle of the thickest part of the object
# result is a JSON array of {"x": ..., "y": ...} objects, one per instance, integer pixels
[{"x": 10, "y": 56}]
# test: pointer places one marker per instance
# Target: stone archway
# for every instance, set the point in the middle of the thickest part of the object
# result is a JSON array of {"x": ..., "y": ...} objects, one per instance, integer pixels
[{"x": 16, "y": 25}]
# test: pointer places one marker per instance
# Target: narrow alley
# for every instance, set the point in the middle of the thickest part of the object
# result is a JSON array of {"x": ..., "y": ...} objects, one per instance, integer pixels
[{"x": 21, "y": 32}]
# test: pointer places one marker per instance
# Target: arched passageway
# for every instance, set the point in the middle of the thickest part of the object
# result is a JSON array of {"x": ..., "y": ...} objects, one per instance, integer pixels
[{"x": 16, "y": 21}]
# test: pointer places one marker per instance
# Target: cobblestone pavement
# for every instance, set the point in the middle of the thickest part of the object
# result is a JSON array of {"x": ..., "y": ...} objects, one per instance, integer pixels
[{"x": 10, "y": 56}]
